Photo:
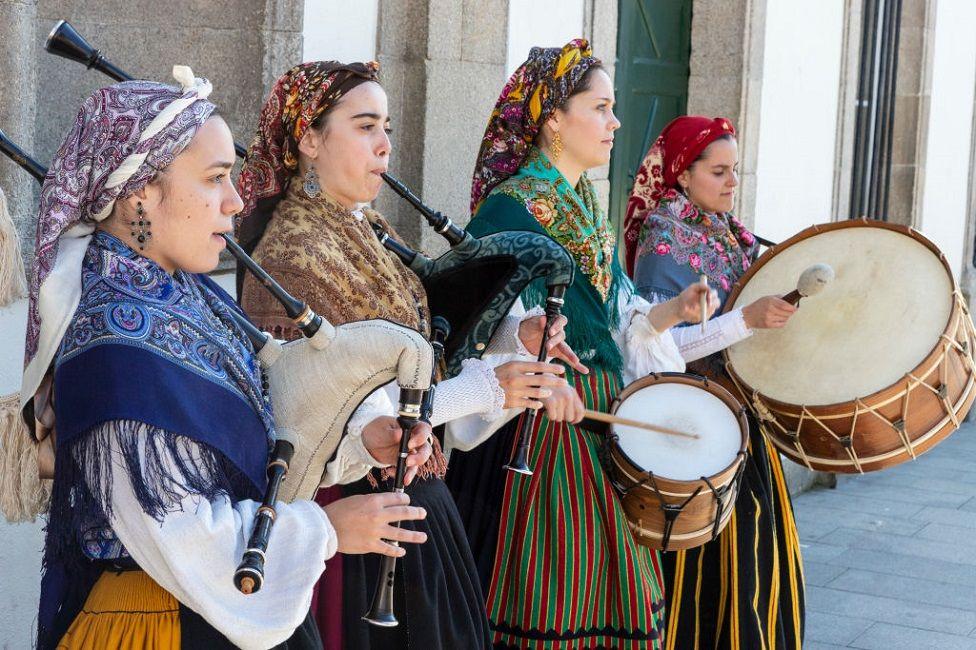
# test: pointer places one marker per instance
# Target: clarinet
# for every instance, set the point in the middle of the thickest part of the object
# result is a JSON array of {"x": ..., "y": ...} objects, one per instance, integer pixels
[
  {"x": 381, "y": 609},
  {"x": 519, "y": 462}
]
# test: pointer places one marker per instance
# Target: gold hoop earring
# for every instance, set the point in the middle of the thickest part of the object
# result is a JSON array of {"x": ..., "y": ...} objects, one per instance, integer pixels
[{"x": 557, "y": 146}]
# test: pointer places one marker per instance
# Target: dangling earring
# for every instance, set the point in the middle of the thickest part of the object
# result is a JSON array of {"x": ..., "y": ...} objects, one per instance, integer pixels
[
  {"x": 311, "y": 184},
  {"x": 140, "y": 227},
  {"x": 557, "y": 146}
]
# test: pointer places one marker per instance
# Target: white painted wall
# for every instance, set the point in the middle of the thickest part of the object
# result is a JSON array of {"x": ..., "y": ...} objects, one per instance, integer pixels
[
  {"x": 340, "y": 31},
  {"x": 949, "y": 129},
  {"x": 800, "y": 87},
  {"x": 531, "y": 22}
]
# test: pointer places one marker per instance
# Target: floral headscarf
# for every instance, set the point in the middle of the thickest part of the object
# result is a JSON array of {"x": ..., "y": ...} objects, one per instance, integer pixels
[
  {"x": 122, "y": 136},
  {"x": 534, "y": 91},
  {"x": 298, "y": 98}
]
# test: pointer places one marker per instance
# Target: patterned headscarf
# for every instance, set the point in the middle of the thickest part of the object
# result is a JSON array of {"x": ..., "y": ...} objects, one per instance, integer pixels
[
  {"x": 298, "y": 98},
  {"x": 122, "y": 136},
  {"x": 678, "y": 146},
  {"x": 535, "y": 90}
]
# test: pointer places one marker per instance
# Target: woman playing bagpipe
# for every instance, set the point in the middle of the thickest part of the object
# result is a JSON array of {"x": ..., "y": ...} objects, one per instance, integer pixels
[
  {"x": 745, "y": 588},
  {"x": 322, "y": 143},
  {"x": 566, "y": 571},
  {"x": 163, "y": 422}
]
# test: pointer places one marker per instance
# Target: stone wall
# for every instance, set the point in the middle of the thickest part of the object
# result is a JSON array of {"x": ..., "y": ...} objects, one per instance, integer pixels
[{"x": 240, "y": 45}]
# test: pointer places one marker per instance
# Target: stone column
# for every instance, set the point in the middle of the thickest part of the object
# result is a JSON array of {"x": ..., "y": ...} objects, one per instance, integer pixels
[
  {"x": 600, "y": 28},
  {"x": 443, "y": 65},
  {"x": 727, "y": 39},
  {"x": 17, "y": 110},
  {"x": 912, "y": 95}
]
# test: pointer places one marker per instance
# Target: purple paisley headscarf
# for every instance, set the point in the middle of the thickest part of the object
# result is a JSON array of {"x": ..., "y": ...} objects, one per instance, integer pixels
[{"x": 122, "y": 136}]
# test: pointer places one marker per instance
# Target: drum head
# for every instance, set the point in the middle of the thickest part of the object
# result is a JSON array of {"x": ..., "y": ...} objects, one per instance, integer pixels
[
  {"x": 686, "y": 408},
  {"x": 882, "y": 314}
]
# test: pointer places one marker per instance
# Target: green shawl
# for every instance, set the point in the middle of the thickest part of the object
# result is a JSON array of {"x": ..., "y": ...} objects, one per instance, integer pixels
[{"x": 538, "y": 198}]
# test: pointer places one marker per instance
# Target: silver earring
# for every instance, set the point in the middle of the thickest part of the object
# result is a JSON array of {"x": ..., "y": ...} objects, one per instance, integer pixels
[
  {"x": 311, "y": 184},
  {"x": 140, "y": 227}
]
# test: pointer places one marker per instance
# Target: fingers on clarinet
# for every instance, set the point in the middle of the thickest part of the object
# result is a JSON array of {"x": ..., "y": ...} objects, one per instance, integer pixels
[
  {"x": 393, "y": 499},
  {"x": 532, "y": 404},
  {"x": 405, "y": 535},
  {"x": 405, "y": 513},
  {"x": 388, "y": 549}
]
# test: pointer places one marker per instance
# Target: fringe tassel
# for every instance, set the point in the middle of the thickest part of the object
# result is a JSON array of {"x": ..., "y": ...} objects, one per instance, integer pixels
[
  {"x": 13, "y": 283},
  {"x": 23, "y": 495},
  {"x": 436, "y": 466}
]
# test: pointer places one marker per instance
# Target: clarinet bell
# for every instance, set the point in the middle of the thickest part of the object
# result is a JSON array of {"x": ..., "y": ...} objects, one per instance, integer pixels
[
  {"x": 65, "y": 41},
  {"x": 380, "y": 611},
  {"x": 519, "y": 461}
]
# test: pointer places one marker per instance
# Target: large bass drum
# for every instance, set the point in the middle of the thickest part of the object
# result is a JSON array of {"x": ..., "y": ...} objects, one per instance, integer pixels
[{"x": 873, "y": 370}]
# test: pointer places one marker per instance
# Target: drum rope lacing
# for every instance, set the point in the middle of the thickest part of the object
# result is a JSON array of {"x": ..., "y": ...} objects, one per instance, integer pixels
[{"x": 949, "y": 342}]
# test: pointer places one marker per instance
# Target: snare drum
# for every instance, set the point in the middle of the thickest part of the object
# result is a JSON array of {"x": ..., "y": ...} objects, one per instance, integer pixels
[{"x": 677, "y": 492}]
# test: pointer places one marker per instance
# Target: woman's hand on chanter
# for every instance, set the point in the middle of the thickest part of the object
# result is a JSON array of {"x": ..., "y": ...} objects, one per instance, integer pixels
[
  {"x": 564, "y": 405},
  {"x": 363, "y": 523},
  {"x": 768, "y": 312},
  {"x": 382, "y": 435},
  {"x": 525, "y": 383},
  {"x": 530, "y": 333}
]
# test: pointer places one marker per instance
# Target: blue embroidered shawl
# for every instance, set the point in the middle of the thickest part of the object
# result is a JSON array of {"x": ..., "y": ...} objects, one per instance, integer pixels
[{"x": 155, "y": 363}]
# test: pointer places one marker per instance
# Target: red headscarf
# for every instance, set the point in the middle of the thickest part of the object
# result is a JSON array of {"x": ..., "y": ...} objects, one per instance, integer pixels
[{"x": 681, "y": 143}]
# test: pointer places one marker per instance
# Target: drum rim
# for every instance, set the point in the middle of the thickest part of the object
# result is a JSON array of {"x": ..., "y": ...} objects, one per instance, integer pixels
[
  {"x": 689, "y": 379},
  {"x": 807, "y": 233}
]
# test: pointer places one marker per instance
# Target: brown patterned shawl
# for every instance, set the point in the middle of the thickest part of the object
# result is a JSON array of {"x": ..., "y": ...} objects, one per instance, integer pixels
[{"x": 322, "y": 253}]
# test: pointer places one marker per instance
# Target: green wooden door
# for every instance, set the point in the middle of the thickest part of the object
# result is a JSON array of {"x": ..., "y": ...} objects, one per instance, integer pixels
[{"x": 651, "y": 78}]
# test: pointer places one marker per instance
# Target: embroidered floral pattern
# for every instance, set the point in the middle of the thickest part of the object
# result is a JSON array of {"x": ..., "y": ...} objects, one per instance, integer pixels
[{"x": 572, "y": 217}]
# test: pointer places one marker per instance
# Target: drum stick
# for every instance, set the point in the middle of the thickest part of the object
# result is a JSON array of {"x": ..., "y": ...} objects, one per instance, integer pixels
[
  {"x": 610, "y": 418},
  {"x": 703, "y": 280}
]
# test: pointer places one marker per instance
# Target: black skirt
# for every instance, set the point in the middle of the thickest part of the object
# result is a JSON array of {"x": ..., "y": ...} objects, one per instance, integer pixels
[
  {"x": 436, "y": 598},
  {"x": 745, "y": 588}
]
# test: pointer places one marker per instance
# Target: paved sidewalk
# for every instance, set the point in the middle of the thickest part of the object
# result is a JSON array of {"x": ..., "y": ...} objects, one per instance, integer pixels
[{"x": 890, "y": 557}]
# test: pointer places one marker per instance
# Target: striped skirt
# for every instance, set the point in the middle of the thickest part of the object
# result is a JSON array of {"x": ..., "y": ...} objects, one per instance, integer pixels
[
  {"x": 745, "y": 589},
  {"x": 567, "y": 572}
]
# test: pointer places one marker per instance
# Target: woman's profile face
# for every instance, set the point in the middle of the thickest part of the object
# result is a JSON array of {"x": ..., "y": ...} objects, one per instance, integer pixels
[
  {"x": 586, "y": 123},
  {"x": 353, "y": 147},
  {"x": 187, "y": 206},
  {"x": 711, "y": 180}
]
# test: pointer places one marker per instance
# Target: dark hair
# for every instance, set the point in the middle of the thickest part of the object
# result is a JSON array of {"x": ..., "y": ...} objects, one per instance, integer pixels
[
  {"x": 586, "y": 80},
  {"x": 724, "y": 136}
]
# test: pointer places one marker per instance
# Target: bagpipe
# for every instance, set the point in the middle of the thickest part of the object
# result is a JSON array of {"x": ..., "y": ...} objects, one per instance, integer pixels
[
  {"x": 316, "y": 382},
  {"x": 473, "y": 285}
]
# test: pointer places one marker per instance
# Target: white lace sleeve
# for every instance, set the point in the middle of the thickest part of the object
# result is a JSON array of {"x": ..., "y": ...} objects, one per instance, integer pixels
[
  {"x": 720, "y": 332},
  {"x": 505, "y": 340},
  {"x": 193, "y": 553},
  {"x": 473, "y": 391},
  {"x": 352, "y": 460},
  {"x": 644, "y": 349}
]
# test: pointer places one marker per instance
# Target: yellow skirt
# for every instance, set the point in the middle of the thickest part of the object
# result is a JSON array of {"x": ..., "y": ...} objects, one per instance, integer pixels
[{"x": 125, "y": 610}]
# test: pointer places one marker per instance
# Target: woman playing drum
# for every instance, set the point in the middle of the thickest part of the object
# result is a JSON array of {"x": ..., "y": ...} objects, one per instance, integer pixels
[
  {"x": 744, "y": 589},
  {"x": 565, "y": 569}
]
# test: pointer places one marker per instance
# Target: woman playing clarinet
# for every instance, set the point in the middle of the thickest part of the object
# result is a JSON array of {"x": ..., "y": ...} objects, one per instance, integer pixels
[
  {"x": 566, "y": 571},
  {"x": 744, "y": 589},
  {"x": 323, "y": 140},
  {"x": 162, "y": 416}
]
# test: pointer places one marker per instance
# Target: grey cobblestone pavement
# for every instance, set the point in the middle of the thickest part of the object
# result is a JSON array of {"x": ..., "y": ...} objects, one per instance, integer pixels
[{"x": 890, "y": 557}]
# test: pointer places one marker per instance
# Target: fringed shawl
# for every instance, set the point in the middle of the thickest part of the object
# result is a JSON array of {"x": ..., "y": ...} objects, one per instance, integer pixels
[{"x": 156, "y": 364}]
